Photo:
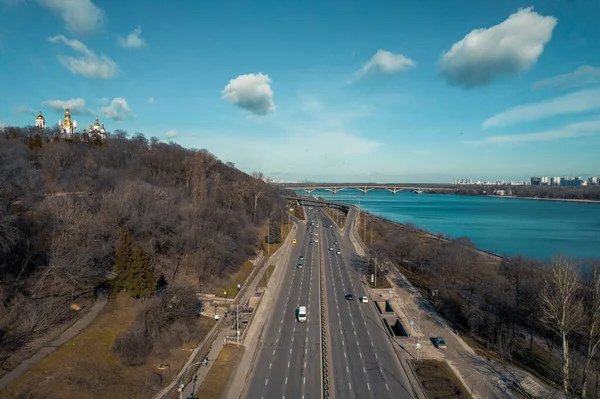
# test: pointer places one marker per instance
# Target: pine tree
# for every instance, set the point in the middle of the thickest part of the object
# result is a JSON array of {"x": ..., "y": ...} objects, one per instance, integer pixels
[
  {"x": 133, "y": 267},
  {"x": 123, "y": 254}
]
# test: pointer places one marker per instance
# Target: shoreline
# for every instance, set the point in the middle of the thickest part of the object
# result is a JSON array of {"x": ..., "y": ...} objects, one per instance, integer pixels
[{"x": 544, "y": 199}]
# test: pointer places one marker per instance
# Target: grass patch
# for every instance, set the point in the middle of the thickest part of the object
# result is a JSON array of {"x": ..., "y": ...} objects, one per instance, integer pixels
[
  {"x": 438, "y": 380},
  {"x": 217, "y": 380},
  {"x": 86, "y": 368},
  {"x": 381, "y": 283},
  {"x": 266, "y": 276},
  {"x": 239, "y": 278}
]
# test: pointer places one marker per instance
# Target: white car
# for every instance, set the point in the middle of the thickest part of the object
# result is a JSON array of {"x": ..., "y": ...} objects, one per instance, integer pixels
[
  {"x": 316, "y": 240},
  {"x": 330, "y": 248},
  {"x": 339, "y": 252},
  {"x": 364, "y": 299}
]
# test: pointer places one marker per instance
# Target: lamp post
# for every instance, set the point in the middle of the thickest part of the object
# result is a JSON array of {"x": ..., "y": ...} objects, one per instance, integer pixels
[{"x": 182, "y": 386}]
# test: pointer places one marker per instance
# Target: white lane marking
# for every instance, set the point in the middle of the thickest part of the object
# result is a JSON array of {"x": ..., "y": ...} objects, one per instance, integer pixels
[
  {"x": 347, "y": 370},
  {"x": 292, "y": 339},
  {"x": 304, "y": 380},
  {"x": 368, "y": 386},
  {"x": 360, "y": 354},
  {"x": 270, "y": 365},
  {"x": 305, "y": 364},
  {"x": 267, "y": 380},
  {"x": 291, "y": 351},
  {"x": 288, "y": 365},
  {"x": 350, "y": 385},
  {"x": 386, "y": 387},
  {"x": 344, "y": 354},
  {"x": 364, "y": 371},
  {"x": 286, "y": 380},
  {"x": 273, "y": 351}
]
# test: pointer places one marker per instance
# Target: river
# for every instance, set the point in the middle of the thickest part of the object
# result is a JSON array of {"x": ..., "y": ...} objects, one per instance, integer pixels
[{"x": 506, "y": 226}]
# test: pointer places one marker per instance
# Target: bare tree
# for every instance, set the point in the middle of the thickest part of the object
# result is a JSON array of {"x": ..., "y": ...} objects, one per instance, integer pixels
[
  {"x": 561, "y": 305},
  {"x": 257, "y": 187},
  {"x": 593, "y": 325}
]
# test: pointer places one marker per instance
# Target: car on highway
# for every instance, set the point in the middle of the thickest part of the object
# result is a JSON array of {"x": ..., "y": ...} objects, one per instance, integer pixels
[
  {"x": 331, "y": 248},
  {"x": 316, "y": 234},
  {"x": 301, "y": 314},
  {"x": 335, "y": 243},
  {"x": 310, "y": 243},
  {"x": 294, "y": 241},
  {"x": 316, "y": 240},
  {"x": 440, "y": 343},
  {"x": 301, "y": 257},
  {"x": 330, "y": 225},
  {"x": 364, "y": 299},
  {"x": 339, "y": 252},
  {"x": 349, "y": 297},
  {"x": 299, "y": 265}
]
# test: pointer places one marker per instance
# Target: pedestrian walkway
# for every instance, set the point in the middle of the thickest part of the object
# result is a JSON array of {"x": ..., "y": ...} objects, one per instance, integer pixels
[{"x": 66, "y": 336}]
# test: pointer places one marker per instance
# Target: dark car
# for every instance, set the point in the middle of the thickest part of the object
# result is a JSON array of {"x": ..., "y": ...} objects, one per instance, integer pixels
[
  {"x": 310, "y": 243},
  {"x": 301, "y": 257},
  {"x": 335, "y": 242},
  {"x": 349, "y": 297},
  {"x": 299, "y": 266}
]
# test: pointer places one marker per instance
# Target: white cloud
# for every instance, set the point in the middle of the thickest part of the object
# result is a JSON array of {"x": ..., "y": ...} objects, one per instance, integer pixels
[
  {"x": 23, "y": 109},
  {"x": 133, "y": 40},
  {"x": 583, "y": 76},
  {"x": 581, "y": 101},
  {"x": 75, "y": 105},
  {"x": 508, "y": 48},
  {"x": 587, "y": 128},
  {"x": 80, "y": 16},
  {"x": 117, "y": 110},
  {"x": 171, "y": 134},
  {"x": 103, "y": 100},
  {"x": 151, "y": 100},
  {"x": 89, "y": 64},
  {"x": 251, "y": 92},
  {"x": 386, "y": 63}
]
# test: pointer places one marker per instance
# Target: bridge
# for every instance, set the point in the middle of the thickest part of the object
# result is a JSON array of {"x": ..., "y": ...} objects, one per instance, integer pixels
[{"x": 364, "y": 188}]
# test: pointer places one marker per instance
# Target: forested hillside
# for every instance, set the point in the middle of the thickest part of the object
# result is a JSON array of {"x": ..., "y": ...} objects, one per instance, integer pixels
[{"x": 180, "y": 216}]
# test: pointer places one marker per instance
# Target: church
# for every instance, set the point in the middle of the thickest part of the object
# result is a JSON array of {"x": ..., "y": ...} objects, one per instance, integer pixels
[{"x": 68, "y": 127}]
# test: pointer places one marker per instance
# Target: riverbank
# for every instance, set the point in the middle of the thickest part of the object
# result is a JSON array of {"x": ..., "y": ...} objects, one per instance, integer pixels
[{"x": 542, "y": 199}]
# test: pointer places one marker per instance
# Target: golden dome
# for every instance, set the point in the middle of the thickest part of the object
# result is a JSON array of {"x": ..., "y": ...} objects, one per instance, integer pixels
[
  {"x": 40, "y": 117},
  {"x": 96, "y": 124}
]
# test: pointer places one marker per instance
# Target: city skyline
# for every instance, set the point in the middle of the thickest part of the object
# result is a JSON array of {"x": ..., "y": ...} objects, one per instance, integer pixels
[{"x": 397, "y": 92}]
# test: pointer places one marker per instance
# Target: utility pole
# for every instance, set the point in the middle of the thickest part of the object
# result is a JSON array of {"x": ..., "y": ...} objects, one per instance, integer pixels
[{"x": 237, "y": 320}]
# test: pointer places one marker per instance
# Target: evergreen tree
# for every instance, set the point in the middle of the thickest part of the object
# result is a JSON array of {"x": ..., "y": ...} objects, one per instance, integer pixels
[
  {"x": 133, "y": 267},
  {"x": 123, "y": 254}
]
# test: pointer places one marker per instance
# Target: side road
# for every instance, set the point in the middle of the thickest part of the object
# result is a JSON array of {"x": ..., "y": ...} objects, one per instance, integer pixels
[{"x": 66, "y": 336}]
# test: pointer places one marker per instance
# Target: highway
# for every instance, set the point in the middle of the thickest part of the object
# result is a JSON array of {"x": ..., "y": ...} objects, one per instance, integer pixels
[
  {"x": 364, "y": 362},
  {"x": 288, "y": 363}
]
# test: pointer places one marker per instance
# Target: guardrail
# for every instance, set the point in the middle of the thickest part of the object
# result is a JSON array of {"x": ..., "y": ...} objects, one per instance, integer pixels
[{"x": 327, "y": 389}]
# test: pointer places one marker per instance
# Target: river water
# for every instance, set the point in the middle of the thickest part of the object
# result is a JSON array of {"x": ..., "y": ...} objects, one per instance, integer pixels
[{"x": 505, "y": 226}]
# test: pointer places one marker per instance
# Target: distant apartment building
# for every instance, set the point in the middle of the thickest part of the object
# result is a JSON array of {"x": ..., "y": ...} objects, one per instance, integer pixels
[
  {"x": 540, "y": 181},
  {"x": 555, "y": 181},
  {"x": 594, "y": 181},
  {"x": 572, "y": 181}
]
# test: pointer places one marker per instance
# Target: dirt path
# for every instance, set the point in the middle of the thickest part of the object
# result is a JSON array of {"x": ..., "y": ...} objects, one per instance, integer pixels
[{"x": 66, "y": 336}]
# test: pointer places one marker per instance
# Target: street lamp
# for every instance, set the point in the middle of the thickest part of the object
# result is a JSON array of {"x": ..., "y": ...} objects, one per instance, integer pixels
[{"x": 182, "y": 386}]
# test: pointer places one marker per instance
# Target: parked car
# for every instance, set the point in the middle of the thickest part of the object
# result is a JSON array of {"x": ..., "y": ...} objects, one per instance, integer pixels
[{"x": 440, "y": 343}]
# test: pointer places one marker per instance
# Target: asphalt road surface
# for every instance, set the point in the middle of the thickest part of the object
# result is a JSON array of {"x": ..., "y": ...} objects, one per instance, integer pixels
[
  {"x": 288, "y": 364},
  {"x": 364, "y": 362}
]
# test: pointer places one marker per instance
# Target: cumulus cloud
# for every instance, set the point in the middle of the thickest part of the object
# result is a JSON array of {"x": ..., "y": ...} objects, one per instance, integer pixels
[
  {"x": 583, "y": 76},
  {"x": 133, "y": 40},
  {"x": 171, "y": 134},
  {"x": 151, "y": 100},
  {"x": 79, "y": 16},
  {"x": 75, "y": 105},
  {"x": 251, "y": 92},
  {"x": 578, "y": 102},
  {"x": 386, "y": 63},
  {"x": 587, "y": 128},
  {"x": 88, "y": 64},
  {"x": 508, "y": 48},
  {"x": 117, "y": 110},
  {"x": 23, "y": 109}
]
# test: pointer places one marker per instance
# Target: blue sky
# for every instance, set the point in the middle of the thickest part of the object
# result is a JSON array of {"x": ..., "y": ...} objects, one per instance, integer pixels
[{"x": 387, "y": 91}]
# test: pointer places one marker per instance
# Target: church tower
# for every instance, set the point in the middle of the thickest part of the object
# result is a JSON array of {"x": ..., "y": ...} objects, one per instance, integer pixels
[
  {"x": 40, "y": 121},
  {"x": 67, "y": 127}
]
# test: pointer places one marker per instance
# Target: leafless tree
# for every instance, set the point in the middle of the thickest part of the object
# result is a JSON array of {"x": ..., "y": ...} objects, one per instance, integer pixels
[
  {"x": 561, "y": 305},
  {"x": 592, "y": 309},
  {"x": 257, "y": 187}
]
